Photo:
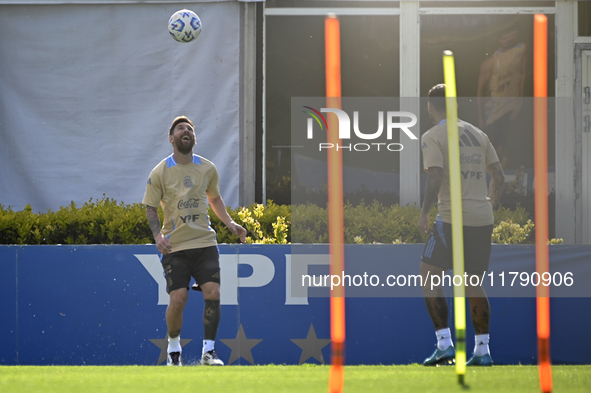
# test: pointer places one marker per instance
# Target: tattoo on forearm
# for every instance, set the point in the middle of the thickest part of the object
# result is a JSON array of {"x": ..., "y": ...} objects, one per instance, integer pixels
[
  {"x": 153, "y": 220},
  {"x": 497, "y": 183},
  {"x": 429, "y": 201},
  {"x": 434, "y": 178}
]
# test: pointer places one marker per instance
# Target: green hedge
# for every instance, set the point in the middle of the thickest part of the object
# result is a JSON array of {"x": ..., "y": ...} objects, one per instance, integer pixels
[
  {"x": 106, "y": 221},
  {"x": 96, "y": 222}
]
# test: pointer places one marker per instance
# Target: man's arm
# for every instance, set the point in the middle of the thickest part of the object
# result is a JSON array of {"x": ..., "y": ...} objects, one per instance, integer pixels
[
  {"x": 434, "y": 179},
  {"x": 497, "y": 183},
  {"x": 483, "y": 78},
  {"x": 219, "y": 208},
  {"x": 162, "y": 243},
  {"x": 523, "y": 69}
]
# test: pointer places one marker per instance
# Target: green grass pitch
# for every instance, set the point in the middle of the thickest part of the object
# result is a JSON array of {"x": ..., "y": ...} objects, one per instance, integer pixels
[{"x": 276, "y": 378}]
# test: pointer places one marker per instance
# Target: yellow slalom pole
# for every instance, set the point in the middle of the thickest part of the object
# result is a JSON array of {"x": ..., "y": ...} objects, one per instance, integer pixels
[
  {"x": 335, "y": 204},
  {"x": 455, "y": 187}
]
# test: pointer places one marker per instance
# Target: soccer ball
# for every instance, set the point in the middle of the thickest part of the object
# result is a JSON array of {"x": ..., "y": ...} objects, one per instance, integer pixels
[{"x": 184, "y": 26}]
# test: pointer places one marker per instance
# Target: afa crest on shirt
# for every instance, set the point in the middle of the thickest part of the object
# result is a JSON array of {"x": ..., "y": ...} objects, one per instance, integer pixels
[{"x": 188, "y": 182}]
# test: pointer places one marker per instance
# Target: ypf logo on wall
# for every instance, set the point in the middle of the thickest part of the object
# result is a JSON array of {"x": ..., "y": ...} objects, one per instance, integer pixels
[{"x": 389, "y": 122}]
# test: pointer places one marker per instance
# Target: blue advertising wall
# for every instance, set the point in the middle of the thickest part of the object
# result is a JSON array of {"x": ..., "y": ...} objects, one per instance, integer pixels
[{"x": 104, "y": 305}]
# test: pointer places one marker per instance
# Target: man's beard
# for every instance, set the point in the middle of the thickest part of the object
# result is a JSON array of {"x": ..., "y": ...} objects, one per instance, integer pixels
[
  {"x": 431, "y": 117},
  {"x": 182, "y": 147}
]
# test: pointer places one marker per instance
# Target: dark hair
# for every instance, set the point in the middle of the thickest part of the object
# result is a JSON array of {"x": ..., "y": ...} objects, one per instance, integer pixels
[
  {"x": 177, "y": 120},
  {"x": 437, "y": 97},
  {"x": 515, "y": 25}
]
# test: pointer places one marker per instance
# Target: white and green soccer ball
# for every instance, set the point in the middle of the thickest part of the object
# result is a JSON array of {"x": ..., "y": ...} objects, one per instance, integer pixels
[{"x": 184, "y": 26}]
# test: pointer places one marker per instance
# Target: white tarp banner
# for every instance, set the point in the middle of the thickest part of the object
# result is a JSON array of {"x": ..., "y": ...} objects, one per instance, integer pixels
[{"x": 88, "y": 92}]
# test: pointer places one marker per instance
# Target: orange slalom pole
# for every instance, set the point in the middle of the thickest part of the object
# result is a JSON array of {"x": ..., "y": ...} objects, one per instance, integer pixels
[
  {"x": 541, "y": 196},
  {"x": 335, "y": 203}
]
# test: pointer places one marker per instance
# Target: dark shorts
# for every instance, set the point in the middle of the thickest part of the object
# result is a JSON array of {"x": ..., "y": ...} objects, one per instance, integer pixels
[
  {"x": 498, "y": 131},
  {"x": 477, "y": 245},
  {"x": 203, "y": 264}
]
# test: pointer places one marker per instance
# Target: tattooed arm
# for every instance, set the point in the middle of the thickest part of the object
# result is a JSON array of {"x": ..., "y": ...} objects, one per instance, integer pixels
[
  {"x": 434, "y": 179},
  {"x": 162, "y": 243},
  {"x": 219, "y": 208},
  {"x": 497, "y": 183}
]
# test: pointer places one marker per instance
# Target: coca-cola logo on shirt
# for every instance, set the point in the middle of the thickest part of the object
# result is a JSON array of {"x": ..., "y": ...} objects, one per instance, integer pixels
[
  {"x": 471, "y": 159},
  {"x": 188, "y": 204}
]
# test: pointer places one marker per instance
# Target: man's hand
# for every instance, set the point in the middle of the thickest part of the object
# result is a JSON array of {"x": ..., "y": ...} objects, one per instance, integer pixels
[
  {"x": 162, "y": 244},
  {"x": 237, "y": 230},
  {"x": 423, "y": 222}
]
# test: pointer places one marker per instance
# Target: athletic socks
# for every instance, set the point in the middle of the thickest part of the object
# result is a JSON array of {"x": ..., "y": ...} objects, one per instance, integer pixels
[
  {"x": 174, "y": 344},
  {"x": 444, "y": 339},
  {"x": 481, "y": 344},
  {"x": 208, "y": 345}
]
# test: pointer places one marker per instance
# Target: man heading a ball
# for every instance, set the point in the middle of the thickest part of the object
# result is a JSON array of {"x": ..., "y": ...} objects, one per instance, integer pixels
[{"x": 182, "y": 184}]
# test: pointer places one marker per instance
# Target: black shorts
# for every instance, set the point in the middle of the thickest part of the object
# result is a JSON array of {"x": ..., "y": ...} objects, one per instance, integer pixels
[
  {"x": 203, "y": 264},
  {"x": 498, "y": 131},
  {"x": 477, "y": 245}
]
